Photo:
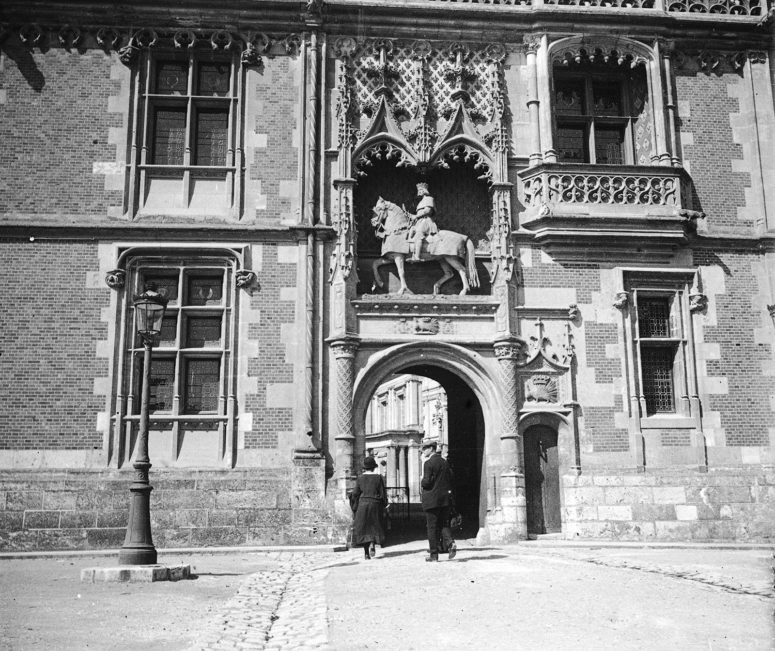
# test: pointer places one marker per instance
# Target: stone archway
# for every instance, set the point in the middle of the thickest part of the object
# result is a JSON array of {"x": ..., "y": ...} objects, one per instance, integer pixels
[{"x": 474, "y": 440}]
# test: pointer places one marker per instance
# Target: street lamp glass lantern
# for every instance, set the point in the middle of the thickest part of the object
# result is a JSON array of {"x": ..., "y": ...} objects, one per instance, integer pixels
[{"x": 149, "y": 308}]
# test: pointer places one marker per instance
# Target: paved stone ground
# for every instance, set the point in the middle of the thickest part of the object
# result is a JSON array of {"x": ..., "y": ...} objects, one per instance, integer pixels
[
  {"x": 282, "y": 608},
  {"x": 528, "y": 595}
]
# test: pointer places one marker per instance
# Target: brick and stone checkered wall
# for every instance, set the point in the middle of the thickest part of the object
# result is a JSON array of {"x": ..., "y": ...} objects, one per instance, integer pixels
[
  {"x": 743, "y": 403},
  {"x": 712, "y": 153},
  {"x": 89, "y": 509},
  {"x": 274, "y": 330},
  {"x": 56, "y": 110},
  {"x": 273, "y": 141},
  {"x": 48, "y": 361}
]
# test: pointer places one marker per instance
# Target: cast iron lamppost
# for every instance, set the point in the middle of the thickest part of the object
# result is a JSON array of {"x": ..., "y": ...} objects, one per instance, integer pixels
[{"x": 138, "y": 546}]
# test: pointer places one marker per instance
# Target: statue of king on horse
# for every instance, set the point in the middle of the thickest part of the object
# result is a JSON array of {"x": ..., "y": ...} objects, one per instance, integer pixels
[{"x": 408, "y": 237}]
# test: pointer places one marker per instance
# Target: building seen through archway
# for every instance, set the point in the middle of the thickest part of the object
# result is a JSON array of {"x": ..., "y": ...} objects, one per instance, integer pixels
[{"x": 426, "y": 403}]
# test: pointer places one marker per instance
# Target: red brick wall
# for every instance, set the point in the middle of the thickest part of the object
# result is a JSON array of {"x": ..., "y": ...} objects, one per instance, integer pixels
[
  {"x": 51, "y": 323},
  {"x": 54, "y": 125}
]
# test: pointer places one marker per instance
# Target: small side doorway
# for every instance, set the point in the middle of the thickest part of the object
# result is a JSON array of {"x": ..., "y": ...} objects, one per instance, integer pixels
[{"x": 542, "y": 480}]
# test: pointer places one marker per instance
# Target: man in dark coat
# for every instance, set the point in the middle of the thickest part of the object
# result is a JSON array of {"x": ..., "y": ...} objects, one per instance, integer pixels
[{"x": 436, "y": 500}]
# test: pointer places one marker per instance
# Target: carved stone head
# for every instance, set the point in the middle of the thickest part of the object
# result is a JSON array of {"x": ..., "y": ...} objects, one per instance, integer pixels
[{"x": 422, "y": 189}]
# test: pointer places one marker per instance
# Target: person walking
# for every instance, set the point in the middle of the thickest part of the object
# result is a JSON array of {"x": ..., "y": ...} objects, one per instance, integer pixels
[
  {"x": 436, "y": 500},
  {"x": 368, "y": 502}
]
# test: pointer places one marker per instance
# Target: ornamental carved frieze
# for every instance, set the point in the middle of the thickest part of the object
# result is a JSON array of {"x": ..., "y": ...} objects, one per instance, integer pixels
[
  {"x": 716, "y": 62},
  {"x": 421, "y": 94},
  {"x": 425, "y": 325},
  {"x": 129, "y": 43}
]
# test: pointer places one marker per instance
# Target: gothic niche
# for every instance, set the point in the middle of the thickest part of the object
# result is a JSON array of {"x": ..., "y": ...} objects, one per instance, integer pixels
[{"x": 462, "y": 205}]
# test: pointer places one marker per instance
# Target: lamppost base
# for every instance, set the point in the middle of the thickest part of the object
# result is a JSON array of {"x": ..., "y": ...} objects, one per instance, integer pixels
[{"x": 137, "y": 555}]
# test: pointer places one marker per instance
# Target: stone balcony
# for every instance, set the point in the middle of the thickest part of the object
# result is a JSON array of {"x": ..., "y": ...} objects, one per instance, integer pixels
[{"x": 630, "y": 208}]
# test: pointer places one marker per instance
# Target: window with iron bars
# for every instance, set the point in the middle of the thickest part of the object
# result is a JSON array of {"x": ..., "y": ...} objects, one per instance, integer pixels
[{"x": 660, "y": 345}]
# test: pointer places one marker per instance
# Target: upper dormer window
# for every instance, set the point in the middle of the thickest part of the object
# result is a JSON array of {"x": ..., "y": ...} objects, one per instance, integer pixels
[
  {"x": 597, "y": 112},
  {"x": 188, "y": 125},
  {"x": 191, "y": 105}
]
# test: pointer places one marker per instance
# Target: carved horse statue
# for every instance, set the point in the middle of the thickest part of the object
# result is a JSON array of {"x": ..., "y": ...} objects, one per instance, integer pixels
[{"x": 453, "y": 251}]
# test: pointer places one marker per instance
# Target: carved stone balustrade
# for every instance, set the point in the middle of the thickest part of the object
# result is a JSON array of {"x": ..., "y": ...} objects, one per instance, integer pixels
[
  {"x": 568, "y": 205},
  {"x": 728, "y": 7}
]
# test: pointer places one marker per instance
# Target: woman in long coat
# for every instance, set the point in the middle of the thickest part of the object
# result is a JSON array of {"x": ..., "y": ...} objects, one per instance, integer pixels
[{"x": 368, "y": 501}]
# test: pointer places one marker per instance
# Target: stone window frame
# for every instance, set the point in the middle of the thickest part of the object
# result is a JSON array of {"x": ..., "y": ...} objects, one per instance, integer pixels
[
  {"x": 178, "y": 184},
  {"x": 545, "y": 55},
  {"x": 222, "y": 420},
  {"x": 678, "y": 286}
]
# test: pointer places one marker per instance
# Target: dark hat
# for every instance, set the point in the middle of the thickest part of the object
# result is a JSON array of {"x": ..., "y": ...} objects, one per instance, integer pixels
[
  {"x": 429, "y": 443},
  {"x": 369, "y": 463}
]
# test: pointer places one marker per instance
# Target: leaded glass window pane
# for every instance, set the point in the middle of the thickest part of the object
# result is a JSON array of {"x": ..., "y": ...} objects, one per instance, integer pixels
[
  {"x": 607, "y": 97},
  {"x": 205, "y": 290},
  {"x": 657, "y": 365},
  {"x": 169, "y": 331},
  {"x": 653, "y": 317},
  {"x": 161, "y": 385},
  {"x": 166, "y": 285},
  {"x": 169, "y": 136},
  {"x": 572, "y": 144},
  {"x": 202, "y": 381},
  {"x": 569, "y": 97},
  {"x": 172, "y": 77},
  {"x": 213, "y": 79},
  {"x": 211, "y": 137},
  {"x": 202, "y": 332},
  {"x": 609, "y": 145}
]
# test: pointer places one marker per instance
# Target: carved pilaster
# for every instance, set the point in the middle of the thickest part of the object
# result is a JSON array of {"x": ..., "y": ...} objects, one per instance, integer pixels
[
  {"x": 502, "y": 245},
  {"x": 313, "y": 85},
  {"x": 508, "y": 352},
  {"x": 343, "y": 255},
  {"x": 344, "y": 351},
  {"x": 513, "y": 508},
  {"x": 532, "y": 43},
  {"x": 344, "y": 48}
]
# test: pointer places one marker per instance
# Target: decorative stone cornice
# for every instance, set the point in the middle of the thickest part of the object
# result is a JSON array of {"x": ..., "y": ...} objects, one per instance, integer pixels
[{"x": 128, "y": 43}]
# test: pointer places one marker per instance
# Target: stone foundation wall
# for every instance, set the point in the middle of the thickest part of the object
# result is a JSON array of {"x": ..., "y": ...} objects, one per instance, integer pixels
[
  {"x": 75, "y": 509},
  {"x": 721, "y": 505}
]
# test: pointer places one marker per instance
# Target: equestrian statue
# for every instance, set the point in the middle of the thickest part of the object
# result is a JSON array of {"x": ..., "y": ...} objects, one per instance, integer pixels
[{"x": 408, "y": 237}]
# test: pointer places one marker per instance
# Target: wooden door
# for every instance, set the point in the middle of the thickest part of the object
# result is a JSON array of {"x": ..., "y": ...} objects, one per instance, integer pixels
[{"x": 542, "y": 480}]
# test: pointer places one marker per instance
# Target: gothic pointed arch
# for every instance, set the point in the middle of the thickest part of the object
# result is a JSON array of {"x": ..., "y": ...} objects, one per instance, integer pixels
[{"x": 599, "y": 48}]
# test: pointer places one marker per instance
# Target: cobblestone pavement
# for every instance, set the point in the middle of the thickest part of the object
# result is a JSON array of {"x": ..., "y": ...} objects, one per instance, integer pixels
[{"x": 279, "y": 608}]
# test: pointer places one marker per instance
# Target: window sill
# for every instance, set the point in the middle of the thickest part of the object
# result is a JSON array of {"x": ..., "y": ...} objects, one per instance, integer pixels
[{"x": 667, "y": 422}]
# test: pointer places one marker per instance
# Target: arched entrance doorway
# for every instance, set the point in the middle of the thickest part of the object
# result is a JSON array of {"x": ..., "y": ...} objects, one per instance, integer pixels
[
  {"x": 542, "y": 480},
  {"x": 470, "y": 414},
  {"x": 465, "y": 442}
]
